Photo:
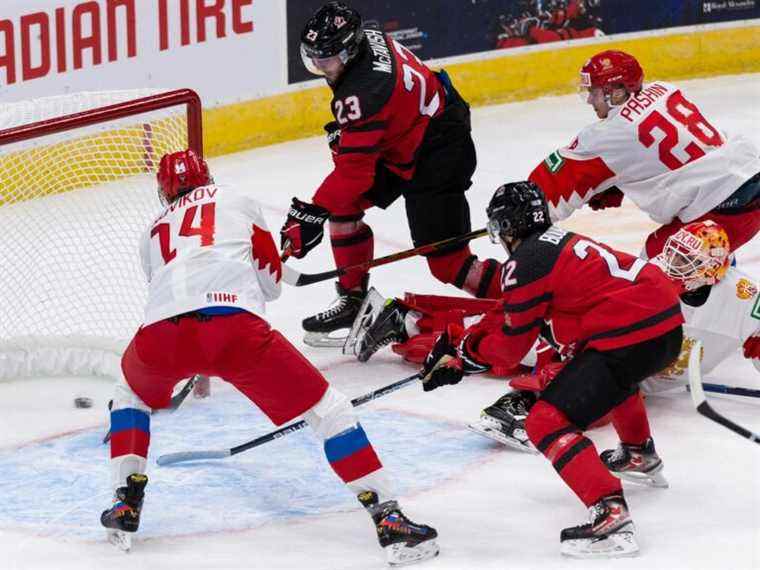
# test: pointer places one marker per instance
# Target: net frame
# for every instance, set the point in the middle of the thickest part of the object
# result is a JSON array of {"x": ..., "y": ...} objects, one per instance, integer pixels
[{"x": 77, "y": 354}]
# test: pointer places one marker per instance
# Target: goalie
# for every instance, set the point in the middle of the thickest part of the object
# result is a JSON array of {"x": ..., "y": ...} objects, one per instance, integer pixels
[{"x": 211, "y": 266}]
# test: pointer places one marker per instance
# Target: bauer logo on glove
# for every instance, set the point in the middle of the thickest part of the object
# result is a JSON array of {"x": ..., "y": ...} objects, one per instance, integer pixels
[{"x": 303, "y": 229}]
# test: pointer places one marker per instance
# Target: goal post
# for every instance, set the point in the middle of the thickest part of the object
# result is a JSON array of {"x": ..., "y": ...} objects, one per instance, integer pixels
[{"x": 77, "y": 189}]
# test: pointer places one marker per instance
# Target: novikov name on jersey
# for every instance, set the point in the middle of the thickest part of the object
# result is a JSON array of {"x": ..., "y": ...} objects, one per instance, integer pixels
[{"x": 382, "y": 54}]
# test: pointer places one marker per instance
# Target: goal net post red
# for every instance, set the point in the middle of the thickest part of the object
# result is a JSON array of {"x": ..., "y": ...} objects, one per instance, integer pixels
[{"x": 77, "y": 190}]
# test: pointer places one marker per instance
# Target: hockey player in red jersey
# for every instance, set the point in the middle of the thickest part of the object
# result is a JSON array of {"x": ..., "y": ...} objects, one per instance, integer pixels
[
  {"x": 399, "y": 130},
  {"x": 654, "y": 146},
  {"x": 620, "y": 318},
  {"x": 211, "y": 266}
]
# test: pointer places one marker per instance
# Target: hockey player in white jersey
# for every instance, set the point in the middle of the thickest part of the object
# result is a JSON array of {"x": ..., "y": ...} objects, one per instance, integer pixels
[
  {"x": 721, "y": 304},
  {"x": 653, "y": 145},
  {"x": 212, "y": 265}
]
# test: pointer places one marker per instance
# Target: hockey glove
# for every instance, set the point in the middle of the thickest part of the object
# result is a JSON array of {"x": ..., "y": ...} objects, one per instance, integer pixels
[
  {"x": 445, "y": 364},
  {"x": 611, "y": 198},
  {"x": 752, "y": 346},
  {"x": 303, "y": 229},
  {"x": 333, "y": 137}
]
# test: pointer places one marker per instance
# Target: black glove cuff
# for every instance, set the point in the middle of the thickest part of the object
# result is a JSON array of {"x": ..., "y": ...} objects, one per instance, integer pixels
[{"x": 470, "y": 364}]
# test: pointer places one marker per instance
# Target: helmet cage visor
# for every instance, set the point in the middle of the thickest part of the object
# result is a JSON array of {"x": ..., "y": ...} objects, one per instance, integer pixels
[
  {"x": 684, "y": 259},
  {"x": 497, "y": 229},
  {"x": 320, "y": 65}
]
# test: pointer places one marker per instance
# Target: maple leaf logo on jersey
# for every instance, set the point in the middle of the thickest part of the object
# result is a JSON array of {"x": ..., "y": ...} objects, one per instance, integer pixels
[{"x": 264, "y": 252}]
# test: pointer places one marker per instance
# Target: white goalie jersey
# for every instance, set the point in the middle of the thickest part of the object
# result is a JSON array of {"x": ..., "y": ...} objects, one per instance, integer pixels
[
  {"x": 730, "y": 315},
  {"x": 209, "y": 248}
]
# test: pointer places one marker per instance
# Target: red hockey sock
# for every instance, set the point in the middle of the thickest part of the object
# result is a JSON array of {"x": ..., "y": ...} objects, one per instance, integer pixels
[
  {"x": 352, "y": 243},
  {"x": 464, "y": 270},
  {"x": 630, "y": 420},
  {"x": 573, "y": 456}
]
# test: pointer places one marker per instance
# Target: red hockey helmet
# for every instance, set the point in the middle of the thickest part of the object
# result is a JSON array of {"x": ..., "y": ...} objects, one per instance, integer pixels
[
  {"x": 612, "y": 69},
  {"x": 179, "y": 172}
]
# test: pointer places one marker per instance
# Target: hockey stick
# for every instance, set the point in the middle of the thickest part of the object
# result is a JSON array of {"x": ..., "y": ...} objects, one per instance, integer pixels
[
  {"x": 297, "y": 279},
  {"x": 731, "y": 390},
  {"x": 182, "y": 456},
  {"x": 700, "y": 402},
  {"x": 175, "y": 402}
]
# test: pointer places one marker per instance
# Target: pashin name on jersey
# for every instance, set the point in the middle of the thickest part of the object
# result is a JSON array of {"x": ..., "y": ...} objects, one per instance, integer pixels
[{"x": 639, "y": 102}]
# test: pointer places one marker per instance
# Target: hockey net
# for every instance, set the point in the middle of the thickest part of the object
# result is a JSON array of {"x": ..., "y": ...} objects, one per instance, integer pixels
[{"x": 77, "y": 189}]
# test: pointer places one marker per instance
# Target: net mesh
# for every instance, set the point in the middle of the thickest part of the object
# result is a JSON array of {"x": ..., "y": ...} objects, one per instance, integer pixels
[{"x": 72, "y": 208}]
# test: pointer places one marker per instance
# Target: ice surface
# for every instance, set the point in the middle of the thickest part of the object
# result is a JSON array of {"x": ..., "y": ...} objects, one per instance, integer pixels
[{"x": 278, "y": 507}]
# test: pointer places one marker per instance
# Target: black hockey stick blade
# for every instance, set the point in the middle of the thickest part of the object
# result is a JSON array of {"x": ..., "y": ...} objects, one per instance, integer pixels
[
  {"x": 184, "y": 456},
  {"x": 700, "y": 402},
  {"x": 297, "y": 279},
  {"x": 175, "y": 402}
]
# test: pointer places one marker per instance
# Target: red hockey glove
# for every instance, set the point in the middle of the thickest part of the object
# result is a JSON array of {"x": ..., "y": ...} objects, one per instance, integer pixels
[
  {"x": 752, "y": 346},
  {"x": 539, "y": 380},
  {"x": 303, "y": 230},
  {"x": 611, "y": 198}
]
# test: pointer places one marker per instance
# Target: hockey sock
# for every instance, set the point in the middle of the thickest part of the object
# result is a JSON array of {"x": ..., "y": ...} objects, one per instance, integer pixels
[
  {"x": 630, "y": 420},
  {"x": 130, "y": 439},
  {"x": 573, "y": 456},
  {"x": 347, "y": 447},
  {"x": 352, "y": 243},
  {"x": 463, "y": 270}
]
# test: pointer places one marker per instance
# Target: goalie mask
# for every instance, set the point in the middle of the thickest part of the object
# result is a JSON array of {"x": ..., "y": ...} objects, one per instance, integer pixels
[
  {"x": 696, "y": 255},
  {"x": 516, "y": 211},
  {"x": 179, "y": 172}
]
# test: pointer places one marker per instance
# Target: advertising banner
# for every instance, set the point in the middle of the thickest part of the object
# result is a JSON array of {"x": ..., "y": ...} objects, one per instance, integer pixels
[
  {"x": 452, "y": 27},
  {"x": 227, "y": 50}
]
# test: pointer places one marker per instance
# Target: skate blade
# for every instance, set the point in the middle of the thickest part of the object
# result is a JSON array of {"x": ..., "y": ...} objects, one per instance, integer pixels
[
  {"x": 492, "y": 431},
  {"x": 120, "y": 539},
  {"x": 324, "y": 340},
  {"x": 371, "y": 307},
  {"x": 615, "y": 545},
  {"x": 400, "y": 554},
  {"x": 652, "y": 479}
]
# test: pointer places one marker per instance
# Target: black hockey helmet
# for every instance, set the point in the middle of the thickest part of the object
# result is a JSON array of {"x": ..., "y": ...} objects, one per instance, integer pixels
[
  {"x": 334, "y": 30},
  {"x": 516, "y": 211}
]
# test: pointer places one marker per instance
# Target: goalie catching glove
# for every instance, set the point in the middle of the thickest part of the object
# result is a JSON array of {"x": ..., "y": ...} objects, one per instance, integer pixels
[
  {"x": 303, "y": 229},
  {"x": 447, "y": 363}
]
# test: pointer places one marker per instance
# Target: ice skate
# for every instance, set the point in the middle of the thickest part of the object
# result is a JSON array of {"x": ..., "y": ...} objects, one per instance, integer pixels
[
  {"x": 636, "y": 463},
  {"x": 610, "y": 534},
  {"x": 504, "y": 421},
  {"x": 404, "y": 541},
  {"x": 386, "y": 328},
  {"x": 371, "y": 307},
  {"x": 123, "y": 518},
  {"x": 323, "y": 329}
]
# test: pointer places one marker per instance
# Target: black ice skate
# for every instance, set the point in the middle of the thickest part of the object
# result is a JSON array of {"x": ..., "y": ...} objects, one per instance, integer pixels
[
  {"x": 404, "y": 541},
  {"x": 124, "y": 516},
  {"x": 504, "y": 420},
  {"x": 339, "y": 316},
  {"x": 636, "y": 463},
  {"x": 610, "y": 534},
  {"x": 388, "y": 327}
]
